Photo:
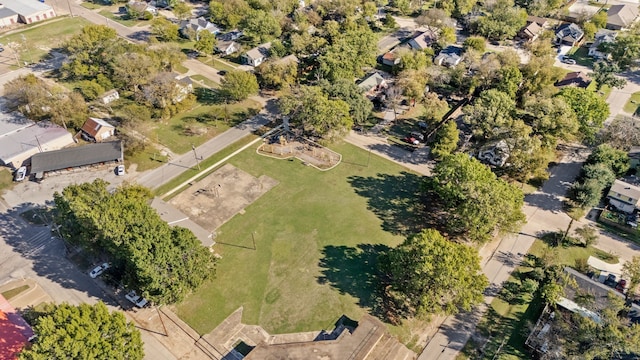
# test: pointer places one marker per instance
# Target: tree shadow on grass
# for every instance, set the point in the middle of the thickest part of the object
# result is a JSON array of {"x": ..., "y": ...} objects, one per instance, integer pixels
[
  {"x": 395, "y": 199},
  {"x": 354, "y": 271},
  {"x": 208, "y": 96}
]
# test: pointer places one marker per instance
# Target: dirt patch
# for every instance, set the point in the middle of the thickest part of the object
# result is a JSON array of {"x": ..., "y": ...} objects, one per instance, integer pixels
[{"x": 218, "y": 197}]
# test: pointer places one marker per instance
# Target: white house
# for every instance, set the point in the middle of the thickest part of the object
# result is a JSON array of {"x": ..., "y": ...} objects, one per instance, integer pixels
[
  {"x": 257, "y": 55},
  {"x": 624, "y": 196},
  {"x": 109, "y": 96},
  {"x": 602, "y": 36},
  {"x": 197, "y": 25},
  {"x": 449, "y": 56},
  {"x": 227, "y": 47},
  {"x": 30, "y": 11}
]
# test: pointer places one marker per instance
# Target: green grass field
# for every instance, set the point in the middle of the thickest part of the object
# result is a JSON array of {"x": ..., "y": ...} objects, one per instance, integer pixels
[
  {"x": 117, "y": 18},
  {"x": 201, "y": 124},
  {"x": 39, "y": 39},
  {"x": 6, "y": 179},
  {"x": 317, "y": 235},
  {"x": 632, "y": 105}
]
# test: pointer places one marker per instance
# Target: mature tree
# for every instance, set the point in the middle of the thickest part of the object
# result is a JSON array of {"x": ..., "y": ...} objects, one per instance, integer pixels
[
  {"x": 434, "y": 108},
  {"x": 412, "y": 60},
  {"x": 83, "y": 332},
  {"x": 434, "y": 19},
  {"x": 90, "y": 90},
  {"x": 161, "y": 90},
  {"x": 429, "y": 274},
  {"x": 625, "y": 50},
  {"x": 491, "y": 114},
  {"x": 446, "y": 141},
  {"x": 509, "y": 80},
  {"x": 503, "y": 21},
  {"x": 540, "y": 75},
  {"x": 206, "y": 43},
  {"x": 614, "y": 159},
  {"x": 474, "y": 202},
  {"x": 458, "y": 8},
  {"x": 599, "y": 19},
  {"x": 447, "y": 36},
  {"x": 90, "y": 52},
  {"x": 413, "y": 84},
  {"x": 238, "y": 85},
  {"x": 604, "y": 73},
  {"x": 133, "y": 70},
  {"x": 67, "y": 109},
  {"x": 27, "y": 94},
  {"x": 277, "y": 75},
  {"x": 589, "y": 30},
  {"x": 550, "y": 118},
  {"x": 631, "y": 270},
  {"x": 310, "y": 109},
  {"x": 359, "y": 106},
  {"x": 228, "y": 13},
  {"x": 164, "y": 29},
  {"x": 590, "y": 108},
  {"x": 622, "y": 133},
  {"x": 181, "y": 10},
  {"x": 305, "y": 44},
  {"x": 588, "y": 235},
  {"x": 477, "y": 43},
  {"x": 166, "y": 57},
  {"x": 165, "y": 263},
  {"x": 260, "y": 26},
  {"x": 349, "y": 52}
]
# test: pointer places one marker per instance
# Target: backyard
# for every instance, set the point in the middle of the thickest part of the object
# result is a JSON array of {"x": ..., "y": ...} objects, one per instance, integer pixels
[
  {"x": 317, "y": 238},
  {"x": 632, "y": 105}
]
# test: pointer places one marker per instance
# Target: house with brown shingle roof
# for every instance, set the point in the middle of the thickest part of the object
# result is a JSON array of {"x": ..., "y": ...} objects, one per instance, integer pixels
[
  {"x": 576, "y": 78},
  {"x": 95, "y": 129}
]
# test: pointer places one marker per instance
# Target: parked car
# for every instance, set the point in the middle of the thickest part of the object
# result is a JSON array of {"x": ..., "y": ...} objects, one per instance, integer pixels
[
  {"x": 417, "y": 135},
  {"x": 622, "y": 286},
  {"x": 136, "y": 299},
  {"x": 98, "y": 270},
  {"x": 411, "y": 140},
  {"x": 120, "y": 170},
  {"x": 423, "y": 125},
  {"x": 20, "y": 174},
  {"x": 611, "y": 280},
  {"x": 569, "y": 61}
]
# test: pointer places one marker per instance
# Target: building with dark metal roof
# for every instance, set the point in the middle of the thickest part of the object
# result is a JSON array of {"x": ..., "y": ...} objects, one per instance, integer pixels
[{"x": 77, "y": 156}]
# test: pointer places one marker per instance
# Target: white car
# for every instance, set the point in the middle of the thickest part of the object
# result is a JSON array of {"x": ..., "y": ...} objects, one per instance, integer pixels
[
  {"x": 136, "y": 299},
  {"x": 120, "y": 170},
  {"x": 20, "y": 174},
  {"x": 98, "y": 270}
]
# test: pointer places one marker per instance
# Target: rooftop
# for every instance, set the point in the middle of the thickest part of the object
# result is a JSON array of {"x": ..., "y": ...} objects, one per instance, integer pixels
[
  {"x": 77, "y": 156},
  {"x": 26, "y": 7},
  {"x": 622, "y": 15},
  {"x": 626, "y": 189},
  {"x": 14, "y": 331}
]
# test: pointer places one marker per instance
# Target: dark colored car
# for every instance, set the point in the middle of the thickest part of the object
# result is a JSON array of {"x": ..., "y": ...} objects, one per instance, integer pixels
[
  {"x": 611, "y": 280},
  {"x": 622, "y": 286}
]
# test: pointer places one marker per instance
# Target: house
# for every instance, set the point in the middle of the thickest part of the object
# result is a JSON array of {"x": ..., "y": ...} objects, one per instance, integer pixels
[
  {"x": 391, "y": 58},
  {"x": 372, "y": 83},
  {"x": 230, "y": 36},
  {"x": 15, "y": 331},
  {"x": 109, "y": 96},
  {"x": 575, "y": 78},
  {"x": 495, "y": 154},
  {"x": 569, "y": 34},
  {"x": 8, "y": 17},
  {"x": 540, "y": 21},
  {"x": 95, "y": 129},
  {"x": 227, "y": 48},
  {"x": 624, "y": 196},
  {"x": 602, "y": 36},
  {"x": 257, "y": 55},
  {"x": 423, "y": 40},
  {"x": 184, "y": 87},
  {"x": 579, "y": 288},
  {"x": 20, "y": 138},
  {"x": 621, "y": 16},
  {"x": 195, "y": 26},
  {"x": 449, "y": 56},
  {"x": 531, "y": 31},
  {"x": 79, "y": 156},
  {"x": 30, "y": 11},
  {"x": 142, "y": 7}
]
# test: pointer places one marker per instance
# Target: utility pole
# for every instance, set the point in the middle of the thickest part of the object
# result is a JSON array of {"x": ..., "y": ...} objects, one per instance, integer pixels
[{"x": 195, "y": 155}]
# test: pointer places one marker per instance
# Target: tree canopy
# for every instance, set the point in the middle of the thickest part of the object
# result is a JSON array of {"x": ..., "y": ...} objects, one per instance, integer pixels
[
  {"x": 432, "y": 275},
  {"x": 163, "y": 262},
  {"x": 82, "y": 332},
  {"x": 474, "y": 202},
  {"x": 238, "y": 85},
  {"x": 503, "y": 20},
  {"x": 591, "y": 109}
]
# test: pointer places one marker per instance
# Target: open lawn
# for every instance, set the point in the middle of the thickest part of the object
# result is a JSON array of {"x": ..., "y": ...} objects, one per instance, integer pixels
[
  {"x": 216, "y": 63},
  {"x": 632, "y": 105},
  {"x": 318, "y": 236},
  {"x": 40, "y": 38},
  {"x": 201, "y": 124},
  {"x": 505, "y": 325},
  {"x": 6, "y": 179},
  {"x": 581, "y": 56},
  {"x": 111, "y": 15}
]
